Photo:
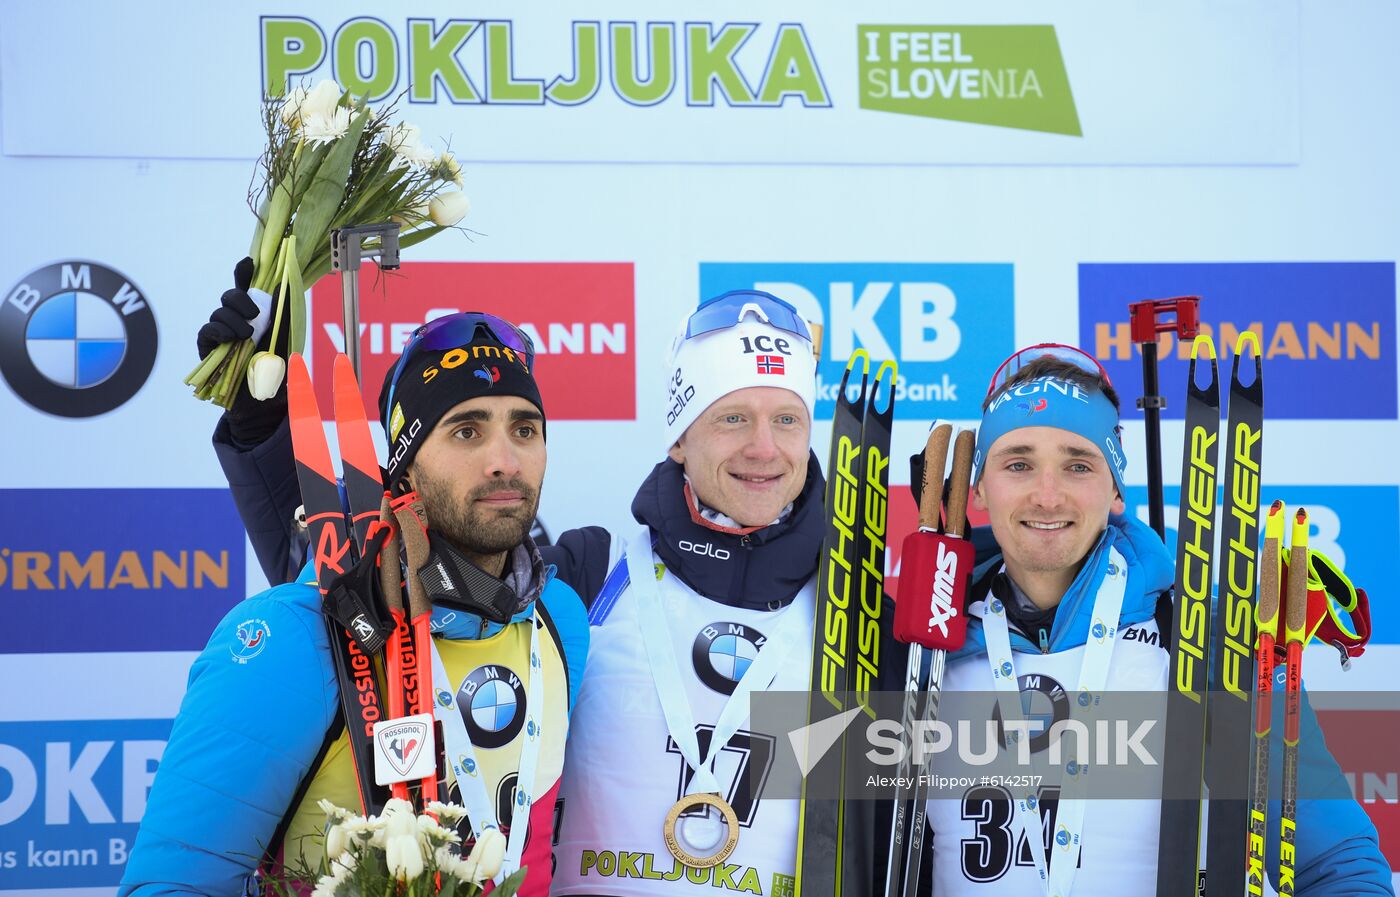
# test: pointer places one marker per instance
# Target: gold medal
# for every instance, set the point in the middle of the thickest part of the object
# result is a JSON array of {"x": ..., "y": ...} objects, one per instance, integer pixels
[{"x": 673, "y": 841}]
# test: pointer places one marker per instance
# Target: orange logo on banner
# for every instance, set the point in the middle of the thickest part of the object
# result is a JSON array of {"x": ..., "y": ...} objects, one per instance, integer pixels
[{"x": 579, "y": 314}]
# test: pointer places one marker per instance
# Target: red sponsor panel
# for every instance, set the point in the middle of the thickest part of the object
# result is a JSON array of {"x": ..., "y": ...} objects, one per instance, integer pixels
[
  {"x": 903, "y": 520},
  {"x": 1363, "y": 743},
  {"x": 579, "y": 314}
]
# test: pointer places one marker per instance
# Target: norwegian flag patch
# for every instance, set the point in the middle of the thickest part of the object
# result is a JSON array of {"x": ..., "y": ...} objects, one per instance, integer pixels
[{"x": 770, "y": 364}]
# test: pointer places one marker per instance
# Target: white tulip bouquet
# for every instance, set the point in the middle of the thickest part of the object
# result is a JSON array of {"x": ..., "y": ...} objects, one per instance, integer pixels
[
  {"x": 330, "y": 161},
  {"x": 401, "y": 854}
]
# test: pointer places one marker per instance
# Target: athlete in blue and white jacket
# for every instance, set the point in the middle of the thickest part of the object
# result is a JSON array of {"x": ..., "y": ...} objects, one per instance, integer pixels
[
  {"x": 1038, "y": 614},
  {"x": 260, "y": 737}
]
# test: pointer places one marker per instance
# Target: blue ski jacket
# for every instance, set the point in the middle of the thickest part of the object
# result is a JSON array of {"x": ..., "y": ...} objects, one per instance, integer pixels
[
  {"x": 1338, "y": 850},
  {"x": 261, "y": 699}
]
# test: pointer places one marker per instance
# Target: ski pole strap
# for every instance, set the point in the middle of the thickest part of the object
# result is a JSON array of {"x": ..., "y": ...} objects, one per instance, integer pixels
[
  {"x": 351, "y": 600},
  {"x": 1331, "y": 595}
]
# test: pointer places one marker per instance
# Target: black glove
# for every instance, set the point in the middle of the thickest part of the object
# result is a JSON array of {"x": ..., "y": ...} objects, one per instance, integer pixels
[{"x": 249, "y": 421}]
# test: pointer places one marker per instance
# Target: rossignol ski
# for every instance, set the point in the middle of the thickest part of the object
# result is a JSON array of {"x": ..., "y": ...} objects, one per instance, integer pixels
[
  {"x": 1232, "y": 670},
  {"x": 819, "y": 823},
  {"x": 331, "y": 558},
  {"x": 1183, "y": 767}
]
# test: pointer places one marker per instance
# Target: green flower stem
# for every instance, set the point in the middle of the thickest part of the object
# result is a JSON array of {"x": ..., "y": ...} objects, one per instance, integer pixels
[
  {"x": 279, "y": 212},
  {"x": 201, "y": 372}
]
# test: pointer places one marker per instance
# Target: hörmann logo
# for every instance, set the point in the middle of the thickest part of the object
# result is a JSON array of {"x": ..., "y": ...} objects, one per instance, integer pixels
[
  {"x": 578, "y": 315},
  {"x": 1007, "y": 75},
  {"x": 1323, "y": 327},
  {"x": 159, "y": 586},
  {"x": 474, "y": 62}
]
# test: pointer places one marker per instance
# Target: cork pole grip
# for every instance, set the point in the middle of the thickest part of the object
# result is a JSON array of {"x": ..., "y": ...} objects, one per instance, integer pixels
[
  {"x": 935, "y": 459},
  {"x": 957, "y": 492}
]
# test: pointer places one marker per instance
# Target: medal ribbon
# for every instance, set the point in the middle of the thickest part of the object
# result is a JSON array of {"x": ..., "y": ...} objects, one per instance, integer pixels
[
  {"x": 1093, "y": 674},
  {"x": 785, "y": 640},
  {"x": 461, "y": 753}
]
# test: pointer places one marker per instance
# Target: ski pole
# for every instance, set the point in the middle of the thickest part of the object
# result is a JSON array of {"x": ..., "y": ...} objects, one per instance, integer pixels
[
  {"x": 347, "y": 251},
  {"x": 1144, "y": 326},
  {"x": 1295, "y": 626},
  {"x": 1267, "y": 615},
  {"x": 929, "y": 615}
]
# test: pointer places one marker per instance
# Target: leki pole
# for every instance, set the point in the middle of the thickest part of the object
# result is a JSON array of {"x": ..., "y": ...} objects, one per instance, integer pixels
[
  {"x": 1145, "y": 323},
  {"x": 347, "y": 251}
]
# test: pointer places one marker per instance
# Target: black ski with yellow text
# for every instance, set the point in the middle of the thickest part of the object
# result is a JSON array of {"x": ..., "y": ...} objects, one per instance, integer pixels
[
  {"x": 819, "y": 831},
  {"x": 1229, "y": 706},
  {"x": 1183, "y": 766},
  {"x": 858, "y": 827}
]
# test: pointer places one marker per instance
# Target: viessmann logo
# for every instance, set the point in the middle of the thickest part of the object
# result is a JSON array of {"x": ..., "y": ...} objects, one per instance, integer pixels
[
  {"x": 1007, "y": 75},
  {"x": 578, "y": 314}
]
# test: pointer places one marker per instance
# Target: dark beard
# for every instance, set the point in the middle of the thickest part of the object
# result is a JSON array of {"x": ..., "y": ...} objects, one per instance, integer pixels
[{"x": 469, "y": 529}]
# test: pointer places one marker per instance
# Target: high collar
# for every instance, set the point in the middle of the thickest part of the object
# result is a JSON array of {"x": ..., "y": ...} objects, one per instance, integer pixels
[{"x": 761, "y": 568}]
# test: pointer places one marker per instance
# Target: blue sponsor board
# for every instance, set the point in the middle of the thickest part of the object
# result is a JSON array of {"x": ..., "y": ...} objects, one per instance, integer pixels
[
  {"x": 1327, "y": 330},
  {"x": 947, "y": 325},
  {"x": 71, "y": 799},
  {"x": 1358, "y": 527},
  {"x": 117, "y": 569}
]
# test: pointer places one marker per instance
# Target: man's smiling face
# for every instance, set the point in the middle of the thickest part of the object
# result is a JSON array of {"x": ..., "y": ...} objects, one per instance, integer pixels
[{"x": 1048, "y": 493}]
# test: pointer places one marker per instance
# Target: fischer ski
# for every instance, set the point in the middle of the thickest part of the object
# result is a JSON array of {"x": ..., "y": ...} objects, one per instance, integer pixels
[
  {"x": 1183, "y": 767},
  {"x": 837, "y": 838},
  {"x": 1231, "y": 681},
  {"x": 820, "y": 847},
  {"x": 858, "y": 830}
]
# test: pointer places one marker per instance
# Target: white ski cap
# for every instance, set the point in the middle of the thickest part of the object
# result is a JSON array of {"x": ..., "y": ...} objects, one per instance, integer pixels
[{"x": 752, "y": 352}]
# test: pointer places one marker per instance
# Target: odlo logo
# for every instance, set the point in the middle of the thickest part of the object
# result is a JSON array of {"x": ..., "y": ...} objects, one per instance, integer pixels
[
  {"x": 704, "y": 549},
  {"x": 680, "y": 393}
]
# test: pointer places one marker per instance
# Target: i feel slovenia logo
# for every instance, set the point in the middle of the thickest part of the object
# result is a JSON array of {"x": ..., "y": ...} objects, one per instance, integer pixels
[{"x": 77, "y": 338}]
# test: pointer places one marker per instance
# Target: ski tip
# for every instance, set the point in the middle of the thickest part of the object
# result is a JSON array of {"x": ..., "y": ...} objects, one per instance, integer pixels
[
  {"x": 1249, "y": 340},
  {"x": 296, "y": 365},
  {"x": 887, "y": 382},
  {"x": 861, "y": 357},
  {"x": 1203, "y": 343}
]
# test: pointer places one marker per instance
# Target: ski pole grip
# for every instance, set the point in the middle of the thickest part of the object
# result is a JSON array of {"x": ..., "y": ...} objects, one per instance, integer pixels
[
  {"x": 390, "y": 570},
  {"x": 1266, "y": 617},
  {"x": 1296, "y": 611},
  {"x": 935, "y": 459},
  {"x": 957, "y": 491},
  {"x": 408, "y": 510}
]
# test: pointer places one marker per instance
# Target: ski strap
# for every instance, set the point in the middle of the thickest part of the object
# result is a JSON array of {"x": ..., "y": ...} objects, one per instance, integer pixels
[
  {"x": 1331, "y": 594},
  {"x": 1093, "y": 675}
]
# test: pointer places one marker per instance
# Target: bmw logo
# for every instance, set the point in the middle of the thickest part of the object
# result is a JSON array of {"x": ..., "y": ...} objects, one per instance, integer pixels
[
  {"x": 492, "y": 703},
  {"x": 723, "y": 652},
  {"x": 1043, "y": 704},
  {"x": 77, "y": 339}
]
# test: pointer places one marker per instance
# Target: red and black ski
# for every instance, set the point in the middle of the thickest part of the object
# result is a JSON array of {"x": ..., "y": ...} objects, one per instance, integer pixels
[{"x": 331, "y": 547}]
